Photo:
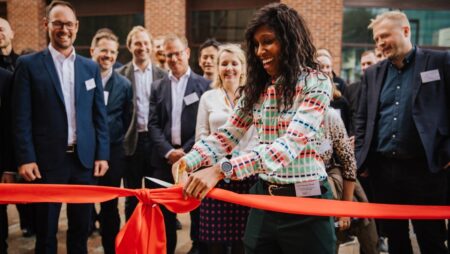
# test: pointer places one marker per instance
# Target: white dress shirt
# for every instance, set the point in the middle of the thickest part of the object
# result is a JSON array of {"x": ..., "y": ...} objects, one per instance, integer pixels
[
  {"x": 105, "y": 80},
  {"x": 65, "y": 68},
  {"x": 213, "y": 112},
  {"x": 178, "y": 87},
  {"x": 143, "y": 81},
  {"x": 107, "y": 77}
]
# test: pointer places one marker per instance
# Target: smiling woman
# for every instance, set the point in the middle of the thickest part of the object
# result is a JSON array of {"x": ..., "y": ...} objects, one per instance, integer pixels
[{"x": 284, "y": 98}]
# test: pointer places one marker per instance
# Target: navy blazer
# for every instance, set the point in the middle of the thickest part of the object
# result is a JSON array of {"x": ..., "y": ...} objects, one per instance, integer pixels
[
  {"x": 6, "y": 157},
  {"x": 119, "y": 104},
  {"x": 160, "y": 117},
  {"x": 431, "y": 108},
  {"x": 40, "y": 125}
]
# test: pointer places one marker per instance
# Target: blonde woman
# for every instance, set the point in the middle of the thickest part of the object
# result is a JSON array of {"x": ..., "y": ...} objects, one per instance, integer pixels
[{"x": 222, "y": 224}]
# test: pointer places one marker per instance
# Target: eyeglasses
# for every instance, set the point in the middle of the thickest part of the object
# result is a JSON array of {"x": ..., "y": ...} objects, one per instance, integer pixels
[
  {"x": 177, "y": 54},
  {"x": 60, "y": 25}
]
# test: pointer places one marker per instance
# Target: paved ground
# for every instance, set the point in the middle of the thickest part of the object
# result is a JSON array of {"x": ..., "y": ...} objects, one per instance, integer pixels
[{"x": 21, "y": 245}]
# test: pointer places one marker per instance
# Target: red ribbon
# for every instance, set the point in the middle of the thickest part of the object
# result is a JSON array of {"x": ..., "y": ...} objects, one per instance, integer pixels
[{"x": 145, "y": 231}]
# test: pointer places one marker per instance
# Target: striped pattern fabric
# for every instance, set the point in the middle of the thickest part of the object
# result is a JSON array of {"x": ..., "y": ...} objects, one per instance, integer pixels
[{"x": 286, "y": 152}]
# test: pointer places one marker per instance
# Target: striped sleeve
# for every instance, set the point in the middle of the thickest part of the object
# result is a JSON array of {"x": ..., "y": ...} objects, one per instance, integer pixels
[
  {"x": 270, "y": 158},
  {"x": 210, "y": 150}
]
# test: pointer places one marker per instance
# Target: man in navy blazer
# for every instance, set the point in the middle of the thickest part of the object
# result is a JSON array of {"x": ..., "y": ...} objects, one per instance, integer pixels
[
  {"x": 173, "y": 113},
  {"x": 118, "y": 100},
  {"x": 60, "y": 125},
  {"x": 6, "y": 157},
  {"x": 402, "y": 130}
]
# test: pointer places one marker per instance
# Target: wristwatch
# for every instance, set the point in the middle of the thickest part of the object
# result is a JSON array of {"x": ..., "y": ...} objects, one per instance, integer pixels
[{"x": 226, "y": 168}]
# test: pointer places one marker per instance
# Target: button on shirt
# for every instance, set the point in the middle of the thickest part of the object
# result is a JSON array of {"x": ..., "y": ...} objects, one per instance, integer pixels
[
  {"x": 397, "y": 135},
  {"x": 65, "y": 68},
  {"x": 143, "y": 81},
  {"x": 178, "y": 87}
]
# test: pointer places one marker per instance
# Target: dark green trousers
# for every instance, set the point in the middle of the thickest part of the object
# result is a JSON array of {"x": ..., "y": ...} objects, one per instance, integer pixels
[{"x": 272, "y": 232}]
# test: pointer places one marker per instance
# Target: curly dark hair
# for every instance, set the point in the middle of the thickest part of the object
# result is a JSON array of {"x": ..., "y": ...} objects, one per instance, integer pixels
[{"x": 297, "y": 54}]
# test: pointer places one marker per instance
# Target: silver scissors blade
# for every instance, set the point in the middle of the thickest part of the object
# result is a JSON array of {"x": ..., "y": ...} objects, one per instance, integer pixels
[{"x": 160, "y": 182}]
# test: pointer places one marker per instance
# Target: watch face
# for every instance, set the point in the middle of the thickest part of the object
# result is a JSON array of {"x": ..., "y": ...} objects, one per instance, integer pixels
[{"x": 226, "y": 166}]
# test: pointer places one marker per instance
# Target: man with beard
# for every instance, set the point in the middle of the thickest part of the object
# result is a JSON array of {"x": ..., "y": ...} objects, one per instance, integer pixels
[
  {"x": 7, "y": 56},
  {"x": 118, "y": 101},
  {"x": 60, "y": 128},
  {"x": 141, "y": 72},
  {"x": 402, "y": 131}
]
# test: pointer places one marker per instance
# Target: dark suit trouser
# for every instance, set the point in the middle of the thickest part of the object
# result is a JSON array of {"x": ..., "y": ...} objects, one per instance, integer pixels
[
  {"x": 3, "y": 229},
  {"x": 170, "y": 218},
  {"x": 109, "y": 213},
  {"x": 138, "y": 166},
  {"x": 408, "y": 181},
  {"x": 78, "y": 215}
]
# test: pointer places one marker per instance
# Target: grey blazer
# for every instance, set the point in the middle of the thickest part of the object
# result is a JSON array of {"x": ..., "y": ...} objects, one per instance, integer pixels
[{"x": 131, "y": 136}]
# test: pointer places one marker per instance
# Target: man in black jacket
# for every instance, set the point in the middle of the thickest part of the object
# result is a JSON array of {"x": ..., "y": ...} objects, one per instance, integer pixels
[
  {"x": 118, "y": 100},
  {"x": 402, "y": 130}
]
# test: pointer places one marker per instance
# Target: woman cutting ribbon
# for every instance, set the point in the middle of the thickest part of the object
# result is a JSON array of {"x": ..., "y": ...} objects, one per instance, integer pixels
[{"x": 285, "y": 98}]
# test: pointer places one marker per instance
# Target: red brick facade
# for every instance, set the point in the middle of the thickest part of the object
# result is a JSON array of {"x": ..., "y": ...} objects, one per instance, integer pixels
[
  {"x": 162, "y": 16},
  {"x": 325, "y": 20},
  {"x": 26, "y": 19},
  {"x": 324, "y": 17}
]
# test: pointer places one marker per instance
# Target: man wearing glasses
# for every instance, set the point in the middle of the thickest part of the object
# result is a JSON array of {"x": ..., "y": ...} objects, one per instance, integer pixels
[
  {"x": 60, "y": 129},
  {"x": 173, "y": 112}
]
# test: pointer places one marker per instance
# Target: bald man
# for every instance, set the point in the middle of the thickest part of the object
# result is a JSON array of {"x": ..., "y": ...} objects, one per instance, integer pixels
[{"x": 7, "y": 56}]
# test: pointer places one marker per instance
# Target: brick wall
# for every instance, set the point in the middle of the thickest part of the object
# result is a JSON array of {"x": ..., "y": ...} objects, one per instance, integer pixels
[
  {"x": 325, "y": 20},
  {"x": 25, "y": 18},
  {"x": 162, "y": 18}
]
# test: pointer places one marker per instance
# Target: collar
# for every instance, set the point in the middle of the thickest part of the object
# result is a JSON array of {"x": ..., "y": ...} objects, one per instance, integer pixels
[
  {"x": 107, "y": 77},
  {"x": 409, "y": 58},
  {"x": 148, "y": 68},
  {"x": 57, "y": 55},
  {"x": 187, "y": 74}
]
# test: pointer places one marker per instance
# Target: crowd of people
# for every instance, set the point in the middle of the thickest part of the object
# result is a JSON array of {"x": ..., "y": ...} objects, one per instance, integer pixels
[{"x": 272, "y": 118}]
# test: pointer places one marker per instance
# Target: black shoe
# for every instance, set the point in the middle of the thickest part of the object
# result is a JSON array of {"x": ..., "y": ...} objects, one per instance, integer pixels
[
  {"x": 26, "y": 232},
  {"x": 195, "y": 249},
  {"x": 179, "y": 227}
]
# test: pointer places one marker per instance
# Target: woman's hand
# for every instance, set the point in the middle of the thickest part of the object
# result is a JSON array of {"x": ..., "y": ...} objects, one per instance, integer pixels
[
  {"x": 202, "y": 181},
  {"x": 344, "y": 223}
]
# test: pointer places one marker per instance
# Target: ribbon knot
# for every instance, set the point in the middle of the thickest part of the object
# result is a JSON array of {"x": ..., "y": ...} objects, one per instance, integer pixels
[{"x": 144, "y": 196}]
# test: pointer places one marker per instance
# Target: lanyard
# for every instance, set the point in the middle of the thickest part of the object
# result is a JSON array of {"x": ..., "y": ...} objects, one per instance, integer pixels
[{"x": 228, "y": 98}]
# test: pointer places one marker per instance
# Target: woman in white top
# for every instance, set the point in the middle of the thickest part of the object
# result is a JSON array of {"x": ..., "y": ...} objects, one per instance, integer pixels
[{"x": 222, "y": 224}]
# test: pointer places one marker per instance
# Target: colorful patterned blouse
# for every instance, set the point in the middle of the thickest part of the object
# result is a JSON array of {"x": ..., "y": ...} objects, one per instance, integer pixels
[{"x": 286, "y": 152}]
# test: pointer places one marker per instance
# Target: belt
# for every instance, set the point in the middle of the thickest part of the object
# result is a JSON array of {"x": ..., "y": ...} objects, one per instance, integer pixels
[
  {"x": 286, "y": 189},
  {"x": 71, "y": 148},
  {"x": 176, "y": 146}
]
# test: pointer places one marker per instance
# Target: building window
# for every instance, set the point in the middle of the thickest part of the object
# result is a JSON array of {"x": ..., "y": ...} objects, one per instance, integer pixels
[
  {"x": 429, "y": 29},
  {"x": 3, "y": 10},
  {"x": 225, "y": 21}
]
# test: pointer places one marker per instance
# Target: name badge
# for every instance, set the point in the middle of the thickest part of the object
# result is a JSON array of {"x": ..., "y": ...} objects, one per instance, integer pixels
[
  {"x": 191, "y": 98},
  {"x": 430, "y": 76},
  {"x": 106, "y": 95},
  {"x": 307, "y": 189},
  {"x": 90, "y": 84}
]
